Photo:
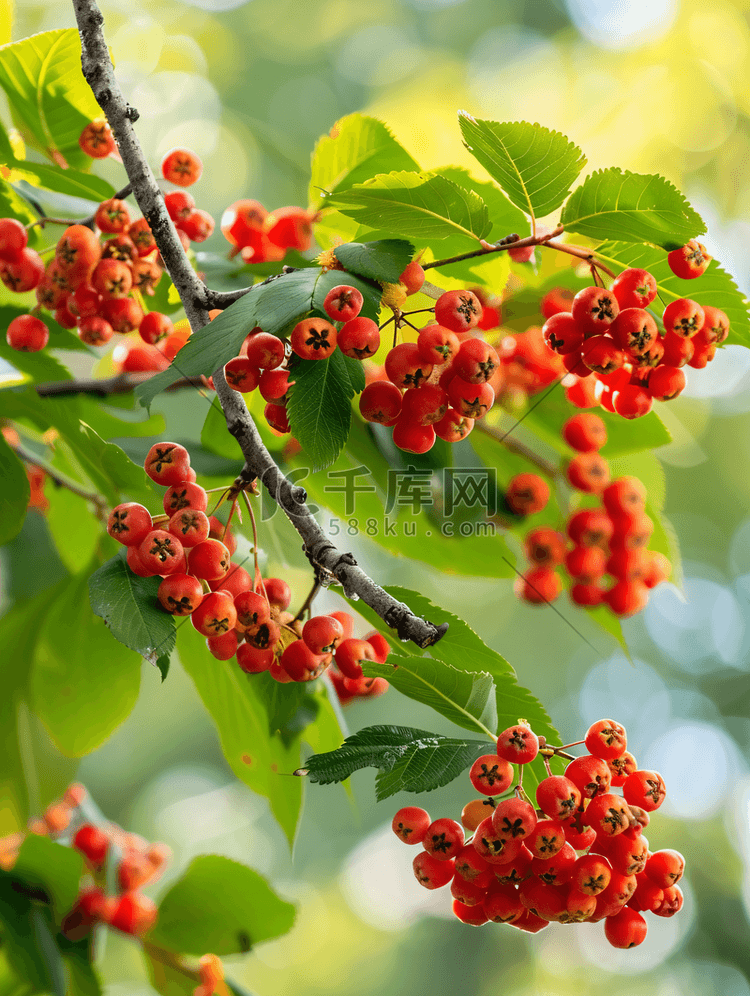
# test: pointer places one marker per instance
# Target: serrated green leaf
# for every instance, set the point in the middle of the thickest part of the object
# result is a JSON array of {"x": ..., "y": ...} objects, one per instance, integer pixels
[
  {"x": 274, "y": 306},
  {"x": 464, "y": 650},
  {"x": 715, "y": 287},
  {"x": 504, "y": 215},
  {"x": 14, "y": 494},
  {"x": 130, "y": 608},
  {"x": 51, "y": 101},
  {"x": 260, "y": 761},
  {"x": 384, "y": 260},
  {"x": 466, "y": 698},
  {"x": 631, "y": 207},
  {"x": 534, "y": 166},
  {"x": 356, "y": 148},
  {"x": 407, "y": 760},
  {"x": 416, "y": 205},
  {"x": 83, "y": 683},
  {"x": 70, "y": 182},
  {"x": 220, "y": 906},
  {"x": 319, "y": 407}
]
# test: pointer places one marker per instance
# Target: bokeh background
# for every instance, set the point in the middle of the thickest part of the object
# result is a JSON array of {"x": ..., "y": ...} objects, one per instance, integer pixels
[{"x": 650, "y": 85}]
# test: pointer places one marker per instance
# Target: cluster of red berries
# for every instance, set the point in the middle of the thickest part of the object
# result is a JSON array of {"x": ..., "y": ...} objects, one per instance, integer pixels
[
  {"x": 437, "y": 386},
  {"x": 262, "y": 237},
  {"x": 139, "y": 863},
  {"x": 94, "y": 282},
  {"x": 612, "y": 344},
  {"x": 610, "y": 539},
  {"x": 581, "y": 856},
  {"x": 240, "y": 616}
]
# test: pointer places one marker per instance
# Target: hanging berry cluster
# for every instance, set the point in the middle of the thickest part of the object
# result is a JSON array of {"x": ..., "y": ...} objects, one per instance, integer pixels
[
  {"x": 580, "y": 856},
  {"x": 622, "y": 358},
  {"x": 611, "y": 539},
  {"x": 241, "y": 616},
  {"x": 138, "y": 863}
]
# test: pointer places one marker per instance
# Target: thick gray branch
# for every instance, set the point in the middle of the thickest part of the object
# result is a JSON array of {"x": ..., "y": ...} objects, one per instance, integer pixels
[{"x": 197, "y": 299}]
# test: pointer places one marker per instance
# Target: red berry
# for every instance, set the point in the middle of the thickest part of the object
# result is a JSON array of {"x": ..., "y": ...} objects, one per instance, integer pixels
[
  {"x": 313, "y": 339},
  {"x": 545, "y": 547},
  {"x": 167, "y": 463},
  {"x": 684, "y": 317},
  {"x": 645, "y": 789},
  {"x": 590, "y": 527},
  {"x": 190, "y": 526},
  {"x": 412, "y": 277},
  {"x": 215, "y": 615},
  {"x": 606, "y": 739},
  {"x": 666, "y": 382},
  {"x": 514, "y": 818},
  {"x": 558, "y": 797},
  {"x": 343, "y": 303},
  {"x": 475, "y": 361},
  {"x": 27, "y": 334},
  {"x": 180, "y": 594},
  {"x": 607, "y": 814},
  {"x": 715, "y": 325},
  {"x": 590, "y": 775},
  {"x": 690, "y": 261},
  {"x": 591, "y": 874},
  {"x": 453, "y": 426},
  {"x": 405, "y": 366},
  {"x": 472, "y": 400},
  {"x": 538, "y": 586},
  {"x": 437, "y": 345},
  {"x": 359, "y": 338},
  {"x": 289, "y": 228},
  {"x": 322, "y": 634},
  {"x": 634, "y": 288},
  {"x": 444, "y": 839},
  {"x": 458, "y": 310},
  {"x": 410, "y": 824},
  {"x": 588, "y": 472},
  {"x": 665, "y": 868},
  {"x": 594, "y": 309},
  {"x": 381, "y": 402},
  {"x": 546, "y": 839},
  {"x": 300, "y": 663},
  {"x": 123, "y": 314},
  {"x": 527, "y": 493},
  {"x": 92, "y": 843},
  {"x": 626, "y": 495},
  {"x": 625, "y": 929},
  {"x": 13, "y": 239},
  {"x": 198, "y": 225},
  {"x": 209, "y": 559},
  {"x": 634, "y": 330},
  {"x": 602, "y": 354},
  {"x": 179, "y": 204},
  {"x": 154, "y": 327},
  {"x": 585, "y": 433},
  {"x": 129, "y": 523},
  {"x": 496, "y": 847},
  {"x": 432, "y": 873},
  {"x": 626, "y": 598},
  {"x": 23, "y": 273},
  {"x": 181, "y": 167},
  {"x": 94, "y": 331},
  {"x": 97, "y": 140},
  {"x": 412, "y": 437},
  {"x": 562, "y": 333},
  {"x": 133, "y": 913},
  {"x": 518, "y": 744},
  {"x": 161, "y": 552},
  {"x": 491, "y": 774},
  {"x": 278, "y": 592}
]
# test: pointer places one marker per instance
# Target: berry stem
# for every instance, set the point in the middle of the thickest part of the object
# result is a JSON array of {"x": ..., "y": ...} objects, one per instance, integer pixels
[
  {"x": 308, "y": 601},
  {"x": 509, "y": 242}
]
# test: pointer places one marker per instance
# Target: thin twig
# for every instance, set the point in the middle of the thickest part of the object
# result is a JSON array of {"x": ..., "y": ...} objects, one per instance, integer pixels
[
  {"x": 509, "y": 242},
  {"x": 545, "y": 466},
  {"x": 62, "y": 481},
  {"x": 121, "y": 383}
]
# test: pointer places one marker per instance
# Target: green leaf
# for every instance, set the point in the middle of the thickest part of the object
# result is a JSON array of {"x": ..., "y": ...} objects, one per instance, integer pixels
[
  {"x": 534, "y": 166},
  {"x": 356, "y": 148},
  {"x": 14, "y": 494},
  {"x": 52, "y": 868},
  {"x": 70, "y": 182},
  {"x": 407, "y": 760},
  {"x": 715, "y": 287},
  {"x": 464, "y": 650},
  {"x": 220, "y": 906},
  {"x": 319, "y": 406},
  {"x": 466, "y": 698},
  {"x": 504, "y": 215},
  {"x": 276, "y": 307},
  {"x": 130, "y": 608},
  {"x": 26, "y": 936},
  {"x": 83, "y": 684},
  {"x": 261, "y": 762},
  {"x": 75, "y": 531},
  {"x": 51, "y": 101},
  {"x": 363, "y": 481},
  {"x": 631, "y": 207},
  {"x": 416, "y": 205},
  {"x": 605, "y": 619},
  {"x": 384, "y": 260},
  {"x": 12, "y": 205}
]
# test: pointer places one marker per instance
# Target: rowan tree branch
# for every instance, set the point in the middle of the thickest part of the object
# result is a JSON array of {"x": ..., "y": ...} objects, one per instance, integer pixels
[
  {"x": 197, "y": 299},
  {"x": 121, "y": 383}
]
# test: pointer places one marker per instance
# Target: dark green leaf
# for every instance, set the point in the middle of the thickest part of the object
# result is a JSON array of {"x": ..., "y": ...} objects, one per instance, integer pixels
[
  {"x": 274, "y": 306},
  {"x": 237, "y": 709},
  {"x": 384, "y": 260},
  {"x": 83, "y": 683},
  {"x": 319, "y": 407},
  {"x": 416, "y": 205},
  {"x": 632, "y": 207},
  {"x": 356, "y": 148},
  {"x": 25, "y": 940},
  {"x": 465, "y": 651},
  {"x": 69, "y": 182},
  {"x": 716, "y": 287},
  {"x": 220, "y": 906},
  {"x": 50, "y": 99},
  {"x": 534, "y": 166},
  {"x": 504, "y": 215},
  {"x": 407, "y": 760},
  {"x": 14, "y": 493},
  {"x": 130, "y": 607},
  {"x": 467, "y": 698},
  {"x": 281, "y": 701}
]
